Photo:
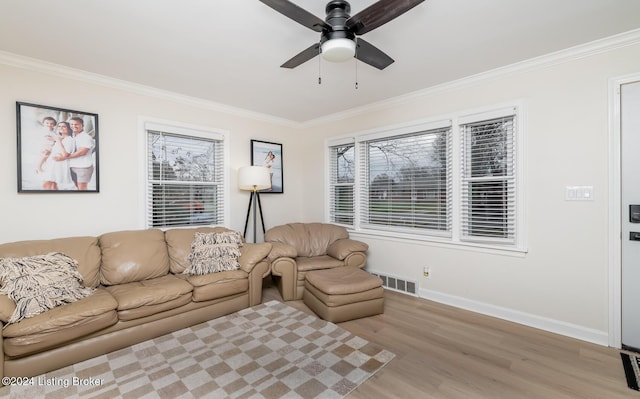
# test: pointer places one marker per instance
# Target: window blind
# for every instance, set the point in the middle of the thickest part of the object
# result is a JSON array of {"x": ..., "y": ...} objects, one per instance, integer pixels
[
  {"x": 488, "y": 192},
  {"x": 341, "y": 184},
  {"x": 185, "y": 180},
  {"x": 406, "y": 182}
]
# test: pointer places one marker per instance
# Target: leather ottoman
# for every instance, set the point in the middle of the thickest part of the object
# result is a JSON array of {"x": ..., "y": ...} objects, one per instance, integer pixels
[{"x": 343, "y": 293}]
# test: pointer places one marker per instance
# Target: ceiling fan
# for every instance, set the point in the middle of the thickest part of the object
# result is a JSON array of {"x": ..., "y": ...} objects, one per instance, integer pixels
[{"x": 339, "y": 39}]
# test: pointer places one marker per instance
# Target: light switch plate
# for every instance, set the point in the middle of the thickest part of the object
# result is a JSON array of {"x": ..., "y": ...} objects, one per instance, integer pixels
[{"x": 579, "y": 193}]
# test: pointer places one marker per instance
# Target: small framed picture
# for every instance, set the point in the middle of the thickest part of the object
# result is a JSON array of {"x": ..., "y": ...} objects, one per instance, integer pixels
[
  {"x": 57, "y": 150},
  {"x": 269, "y": 155}
]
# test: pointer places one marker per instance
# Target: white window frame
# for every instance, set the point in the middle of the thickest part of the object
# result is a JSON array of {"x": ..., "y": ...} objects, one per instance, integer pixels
[
  {"x": 331, "y": 213},
  {"x": 517, "y": 246},
  {"x": 146, "y": 124},
  {"x": 420, "y": 129},
  {"x": 508, "y": 178}
]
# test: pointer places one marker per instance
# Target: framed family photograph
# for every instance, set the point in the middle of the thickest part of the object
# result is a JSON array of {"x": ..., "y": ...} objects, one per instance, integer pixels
[
  {"x": 57, "y": 149},
  {"x": 269, "y": 155}
]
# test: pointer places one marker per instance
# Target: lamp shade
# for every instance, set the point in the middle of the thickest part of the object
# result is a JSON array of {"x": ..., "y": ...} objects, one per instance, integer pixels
[
  {"x": 253, "y": 178},
  {"x": 338, "y": 50}
]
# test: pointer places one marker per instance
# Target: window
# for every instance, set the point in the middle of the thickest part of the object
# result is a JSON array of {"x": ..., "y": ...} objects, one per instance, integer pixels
[
  {"x": 342, "y": 180},
  {"x": 488, "y": 180},
  {"x": 406, "y": 182},
  {"x": 412, "y": 182},
  {"x": 185, "y": 177}
]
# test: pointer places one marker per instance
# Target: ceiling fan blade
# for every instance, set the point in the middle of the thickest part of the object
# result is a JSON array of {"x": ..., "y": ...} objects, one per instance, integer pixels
[
  {"x": 370, "y": 54},
  {"x": 378, "y": 14},
  {"x": 298, "y": 14},
  {"x": 303, "y": 56}
]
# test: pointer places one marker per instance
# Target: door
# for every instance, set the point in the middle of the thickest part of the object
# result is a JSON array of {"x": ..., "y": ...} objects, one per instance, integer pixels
[{"x": 630, "y": 196}]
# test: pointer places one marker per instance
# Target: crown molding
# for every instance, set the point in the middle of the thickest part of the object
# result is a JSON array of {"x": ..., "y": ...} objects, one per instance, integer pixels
[
  {"x": 37, "y": 65},
  {"x": 611, "y": 43}
]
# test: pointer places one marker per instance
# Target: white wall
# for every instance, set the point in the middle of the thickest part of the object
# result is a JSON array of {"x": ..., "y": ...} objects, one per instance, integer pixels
[
  {"x": 119, "y": 106},
  {"x": 561, "y": 283}
]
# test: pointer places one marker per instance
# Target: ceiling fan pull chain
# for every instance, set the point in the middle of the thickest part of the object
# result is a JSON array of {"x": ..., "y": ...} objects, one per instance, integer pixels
[{"x": 319, "y": 64}]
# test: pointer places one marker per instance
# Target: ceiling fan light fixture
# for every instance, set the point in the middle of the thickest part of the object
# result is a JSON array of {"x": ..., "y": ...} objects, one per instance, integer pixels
[{"x": 338, "y": 50}]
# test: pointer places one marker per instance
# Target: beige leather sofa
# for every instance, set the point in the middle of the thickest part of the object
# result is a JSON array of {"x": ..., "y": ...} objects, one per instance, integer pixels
[
  {"x": 140, "y": 294},
  {"x": 301, "y": 247}
]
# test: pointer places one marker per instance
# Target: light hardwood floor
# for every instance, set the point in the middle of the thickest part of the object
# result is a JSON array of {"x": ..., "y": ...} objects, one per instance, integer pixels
[{"x": 446, "y": 352}]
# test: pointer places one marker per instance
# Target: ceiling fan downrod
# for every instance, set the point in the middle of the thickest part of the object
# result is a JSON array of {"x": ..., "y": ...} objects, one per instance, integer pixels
[{"x": 356, "y": 58}]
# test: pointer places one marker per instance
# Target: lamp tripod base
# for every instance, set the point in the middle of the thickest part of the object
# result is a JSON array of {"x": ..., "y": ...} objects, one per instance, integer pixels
[{"x": 255, "y": 200}]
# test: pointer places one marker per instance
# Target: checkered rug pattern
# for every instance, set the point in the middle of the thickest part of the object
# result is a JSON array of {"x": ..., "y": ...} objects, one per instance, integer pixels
[{"x": 268, "y": 351}]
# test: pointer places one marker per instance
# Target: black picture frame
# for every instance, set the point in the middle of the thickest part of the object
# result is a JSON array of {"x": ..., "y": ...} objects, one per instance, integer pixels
[
  {"x": 264, "y": 153},
  {"x": 49, "y": 159}
]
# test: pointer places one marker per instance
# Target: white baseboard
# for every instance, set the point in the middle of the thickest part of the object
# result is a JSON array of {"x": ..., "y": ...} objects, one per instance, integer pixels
[{"x": 531, "y": 320}]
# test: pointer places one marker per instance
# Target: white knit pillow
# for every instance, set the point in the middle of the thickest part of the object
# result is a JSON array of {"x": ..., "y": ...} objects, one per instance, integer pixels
[
  {"x": 214, "y": 252},
  {"x": 41, "y": 282}
]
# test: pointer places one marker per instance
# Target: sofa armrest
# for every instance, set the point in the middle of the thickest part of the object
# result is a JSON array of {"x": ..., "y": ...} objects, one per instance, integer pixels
[
  {"x": 251, "y": 254},
  {"x": 340, "y": 249},
  {"x": 281, "y": 250},
  {"x": 356, "y": 259},
  {"x": 286, "y": 272},
  {"x": 260, "y": 271}
]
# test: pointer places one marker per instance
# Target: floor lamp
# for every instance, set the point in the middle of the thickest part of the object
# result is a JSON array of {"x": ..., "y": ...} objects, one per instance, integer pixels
[{"x": 254, "y": 178}]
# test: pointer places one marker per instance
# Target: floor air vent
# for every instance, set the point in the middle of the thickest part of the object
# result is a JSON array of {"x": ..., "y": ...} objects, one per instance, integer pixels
[{"x": 398, "y": 284}]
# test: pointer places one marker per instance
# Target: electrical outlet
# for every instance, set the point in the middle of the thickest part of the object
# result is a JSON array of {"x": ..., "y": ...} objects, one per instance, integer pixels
[{"x": 426, "y": 272}]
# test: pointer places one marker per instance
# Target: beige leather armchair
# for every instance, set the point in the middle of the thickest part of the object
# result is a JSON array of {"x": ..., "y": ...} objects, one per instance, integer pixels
[{"x": 298, "y": 248}]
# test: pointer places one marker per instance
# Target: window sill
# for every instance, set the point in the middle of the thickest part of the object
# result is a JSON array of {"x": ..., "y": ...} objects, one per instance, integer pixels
[{"x": 441, "y": 242}]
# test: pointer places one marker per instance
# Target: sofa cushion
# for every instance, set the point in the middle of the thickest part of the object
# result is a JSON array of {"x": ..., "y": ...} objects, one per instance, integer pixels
[
  {"x": 178, "y": 242},
  {"x": 84, "y": 250},
  {"x": 150, "y": 310},
  {"x": 317, "y": 263},
  {"x": 135, "y": 255},
  {"x": 62, "y": 324},
  {"x": 214, "y": 252},
  {"x": 40, "y": 283},
  {"x": 219, "y": 285},
  {"x": 146, "y": 297},
  {"x": 343, "y": 281},
  {"x": 309, "y": 239}
]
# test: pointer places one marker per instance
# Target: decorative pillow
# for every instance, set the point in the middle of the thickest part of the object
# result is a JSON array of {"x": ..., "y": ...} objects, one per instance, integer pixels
[
  {"x": 214, "y": 252},
  {"x": 41, "y": 282}
]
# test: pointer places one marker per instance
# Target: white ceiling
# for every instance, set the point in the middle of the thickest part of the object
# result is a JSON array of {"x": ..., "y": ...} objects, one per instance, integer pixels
[{"x": 229, "y": 52}]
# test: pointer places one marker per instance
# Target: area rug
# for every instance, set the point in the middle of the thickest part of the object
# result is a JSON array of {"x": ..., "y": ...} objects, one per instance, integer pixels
[
  {"x": 268, "y": 351},
  {"x": 631, "y": 365}
]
